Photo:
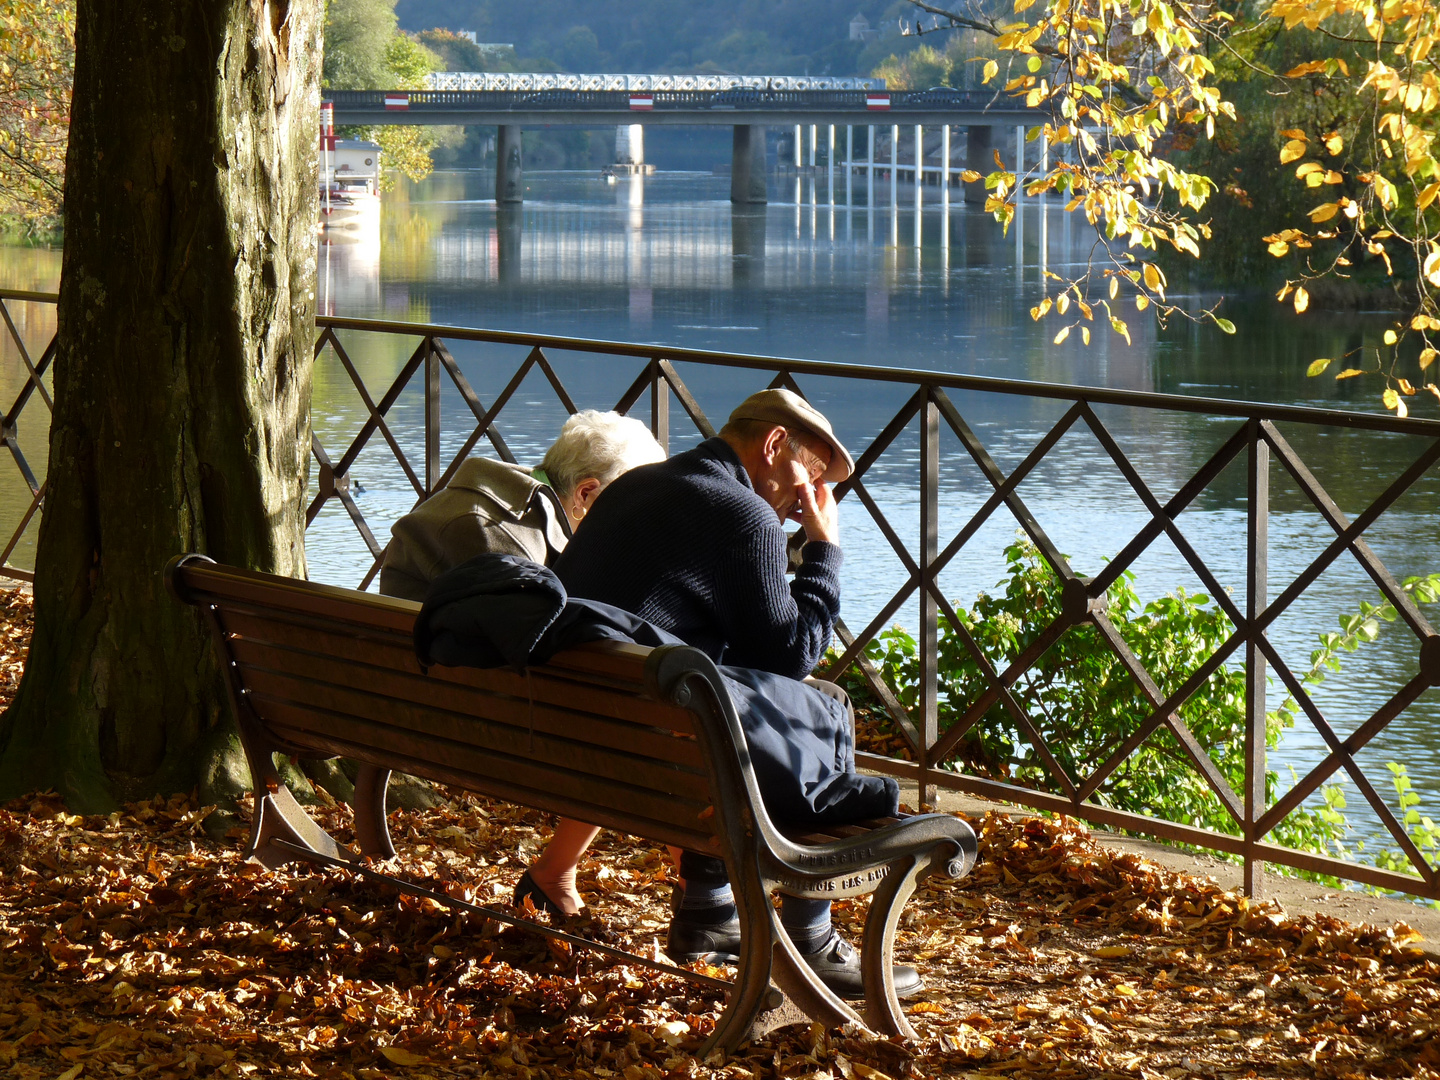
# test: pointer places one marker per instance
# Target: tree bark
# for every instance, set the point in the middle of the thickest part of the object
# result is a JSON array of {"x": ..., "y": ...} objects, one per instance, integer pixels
[{"x": 182, "y": 381}]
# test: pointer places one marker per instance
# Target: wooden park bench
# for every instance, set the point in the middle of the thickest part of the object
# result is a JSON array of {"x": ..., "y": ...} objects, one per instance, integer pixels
[{"x": 643, "y": 741}]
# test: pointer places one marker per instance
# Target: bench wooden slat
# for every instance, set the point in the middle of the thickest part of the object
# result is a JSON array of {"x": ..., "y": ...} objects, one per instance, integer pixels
[
  {"x": 424, "y": 725},
  {"x": 230, "y": 586},
  {"x": 580, "y": 727},
  {"x": 670, "y": 829},
  {"x": 563, "y": 687},
  {"x": 282, "y": 628},
  {"x": 308, "y": 718}
]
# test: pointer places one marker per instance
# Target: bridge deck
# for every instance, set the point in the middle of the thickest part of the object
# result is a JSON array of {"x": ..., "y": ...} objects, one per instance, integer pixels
[{"x": 599, "y": 108}]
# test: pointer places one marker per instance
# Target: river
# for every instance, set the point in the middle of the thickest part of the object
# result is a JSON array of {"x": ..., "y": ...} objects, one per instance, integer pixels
[{"x": 667, "y": 260}]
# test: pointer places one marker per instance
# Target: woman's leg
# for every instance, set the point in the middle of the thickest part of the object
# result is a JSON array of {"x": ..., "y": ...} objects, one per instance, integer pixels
[{"x": 554, "y": 871}]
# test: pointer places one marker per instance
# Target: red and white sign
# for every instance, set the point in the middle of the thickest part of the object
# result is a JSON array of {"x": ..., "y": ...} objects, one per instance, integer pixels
[
  {"x": 877, "y": 101},
  {"x": 397, "y": 101},
  {"x": 642, "y": 102},
  {"x": 327, "y": 125}
]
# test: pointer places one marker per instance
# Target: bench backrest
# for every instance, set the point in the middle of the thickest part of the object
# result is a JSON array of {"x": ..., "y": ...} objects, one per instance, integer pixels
[{"x": 333, "y": 672}]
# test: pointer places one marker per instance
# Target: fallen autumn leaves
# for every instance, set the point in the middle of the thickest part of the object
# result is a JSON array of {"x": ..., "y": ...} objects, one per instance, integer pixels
[{"x": 132, "y": 946}]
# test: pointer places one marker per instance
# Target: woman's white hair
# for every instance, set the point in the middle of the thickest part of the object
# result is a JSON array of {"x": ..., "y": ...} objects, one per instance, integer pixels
[{"x": 601, "y": 445}]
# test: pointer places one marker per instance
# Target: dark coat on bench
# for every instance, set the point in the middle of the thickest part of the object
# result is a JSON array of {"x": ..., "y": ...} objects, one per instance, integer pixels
[{"x": 498, "y": 609}]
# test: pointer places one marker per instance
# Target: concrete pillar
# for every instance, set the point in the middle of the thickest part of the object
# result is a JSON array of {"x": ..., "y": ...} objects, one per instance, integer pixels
[
  {"x": 849, "y": 165},
  {"x": 630, "y": 144},
  {"x": 980, "y": 157},
  {"x": 798, "y": 150},
  {"x": 814, "y": 128},
  {"x": 830, "y": 163},
  {"x": 894, "y": 168},
  {"x": 919, "y": 160},
  {"x": 870, "y": 166},
  {"x": 1044, "y": 217},
  {"x": 945, "y": 162},
  {"x": 1019, "y": 164},
  {"x": 747, "y": 164},
  {"x": 1019, "y": 228},
  {"x": 509, "y": 165}
]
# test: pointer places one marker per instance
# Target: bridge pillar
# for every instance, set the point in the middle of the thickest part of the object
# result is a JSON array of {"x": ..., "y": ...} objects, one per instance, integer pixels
[
  {"x": 747, "y": 164},
  {"x": 979, "y": 156},
  {"x": 509, "y": 165}
]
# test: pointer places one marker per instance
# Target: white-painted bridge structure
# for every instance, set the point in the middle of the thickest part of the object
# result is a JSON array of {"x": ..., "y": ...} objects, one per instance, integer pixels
[{"x": 749, "y": 104}]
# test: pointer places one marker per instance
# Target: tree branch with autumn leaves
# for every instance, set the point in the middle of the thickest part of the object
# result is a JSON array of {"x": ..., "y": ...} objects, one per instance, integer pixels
[
  {"x": 37, "y": 66},
  {"x": 1122, "y": 79}
]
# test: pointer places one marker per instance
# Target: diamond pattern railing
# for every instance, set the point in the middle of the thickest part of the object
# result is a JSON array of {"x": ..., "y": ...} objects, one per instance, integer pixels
[
  {"x": 32, "y": 386},
  {"x": 1255, "y": 444}
]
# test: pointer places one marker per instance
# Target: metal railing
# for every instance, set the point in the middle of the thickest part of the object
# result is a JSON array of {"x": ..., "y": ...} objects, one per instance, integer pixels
[{"x": 1253, "y": 441}]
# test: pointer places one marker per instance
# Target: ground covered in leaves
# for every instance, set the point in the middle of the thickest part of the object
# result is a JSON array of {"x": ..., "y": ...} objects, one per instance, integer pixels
[{"x": 133, "y": 946}]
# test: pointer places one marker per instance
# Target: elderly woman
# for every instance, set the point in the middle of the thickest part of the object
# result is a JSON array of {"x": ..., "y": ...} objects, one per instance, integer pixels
[{"x": 493, "y": 506}]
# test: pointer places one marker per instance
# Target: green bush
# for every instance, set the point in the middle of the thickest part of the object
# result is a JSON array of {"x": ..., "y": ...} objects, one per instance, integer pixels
[{"x": 1084, "y": 702}]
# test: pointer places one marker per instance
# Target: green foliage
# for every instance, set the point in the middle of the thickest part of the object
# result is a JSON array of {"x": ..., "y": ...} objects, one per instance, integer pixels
[
  {"x": 364, "y": 50},
  {"x": 1257, "y": 193},
  {"x": 919, "y": 69},
  {"x": 1085, "y": 704},
  {"x": 1421, "y": 828},
  {"x": 747, "y": 36},
  {"x": 408, "y": 62},
  {"x": 580, "y": 50},
  {"x": 357, "y": 35},
  {"x": 959, "y": 65}
]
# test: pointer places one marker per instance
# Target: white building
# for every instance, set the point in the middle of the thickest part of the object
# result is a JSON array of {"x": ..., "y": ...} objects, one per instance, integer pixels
[
  {"x": 354, "y": 163},
  {"x": 860, "y": 29}
]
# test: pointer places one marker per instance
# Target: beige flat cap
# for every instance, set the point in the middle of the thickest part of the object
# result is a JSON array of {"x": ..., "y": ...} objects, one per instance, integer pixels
[{"x": 790, "y": 410}]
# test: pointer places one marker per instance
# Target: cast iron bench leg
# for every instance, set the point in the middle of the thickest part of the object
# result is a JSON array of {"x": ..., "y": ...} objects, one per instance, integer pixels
[
  {"x": 756, "y": 1007},
  {"x": 803, "y": 987},
  {"x": 371, "y": 829},
  {"x": 882, "y": 1005},
  {"x": 277, "y": 814}
]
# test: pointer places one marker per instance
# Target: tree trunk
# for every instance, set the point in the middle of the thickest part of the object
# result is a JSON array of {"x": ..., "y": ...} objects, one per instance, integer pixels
[{"x": 182, "y": 381}]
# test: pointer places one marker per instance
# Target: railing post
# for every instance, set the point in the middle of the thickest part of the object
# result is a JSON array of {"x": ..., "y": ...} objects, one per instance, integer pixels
[
  {"x": 929, "y": 610},
  {"x": 659, "y": 406},
  {"x": 432, "y": 417},
  {"x": 1256, "y": 600}
]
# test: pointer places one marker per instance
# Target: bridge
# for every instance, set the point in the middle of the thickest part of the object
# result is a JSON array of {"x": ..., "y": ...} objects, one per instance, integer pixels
[{"x": 749, "y": 105}]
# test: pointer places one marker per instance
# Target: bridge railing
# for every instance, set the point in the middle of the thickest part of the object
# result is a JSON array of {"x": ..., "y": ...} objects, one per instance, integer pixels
[
  {"x": 860, "y": 102},
  {"x": 938, "y": 410}
]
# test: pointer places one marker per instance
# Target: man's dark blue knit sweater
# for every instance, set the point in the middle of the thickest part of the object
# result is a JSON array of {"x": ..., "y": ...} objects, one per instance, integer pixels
[{"x": 689, "y": 545}]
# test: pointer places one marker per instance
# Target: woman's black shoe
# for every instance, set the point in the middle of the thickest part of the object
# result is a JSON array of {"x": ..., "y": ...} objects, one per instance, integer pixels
[{"x": 526, "y": 887}]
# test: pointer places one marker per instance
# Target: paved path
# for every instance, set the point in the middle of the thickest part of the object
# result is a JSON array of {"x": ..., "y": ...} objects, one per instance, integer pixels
[{"x": 1295, "y": 895}]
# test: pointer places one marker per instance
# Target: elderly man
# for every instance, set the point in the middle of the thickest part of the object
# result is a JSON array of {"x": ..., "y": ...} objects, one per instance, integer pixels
[{"x": 696, "y": 546}]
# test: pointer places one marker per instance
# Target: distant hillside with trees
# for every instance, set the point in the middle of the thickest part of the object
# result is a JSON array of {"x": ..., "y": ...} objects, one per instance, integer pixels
[{"x": 761, "y": 37}]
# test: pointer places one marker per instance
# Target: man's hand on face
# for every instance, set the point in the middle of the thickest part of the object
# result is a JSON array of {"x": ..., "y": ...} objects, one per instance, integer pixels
[{"x": 818, "y": 513}]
